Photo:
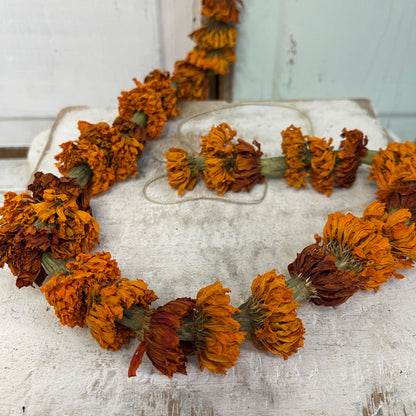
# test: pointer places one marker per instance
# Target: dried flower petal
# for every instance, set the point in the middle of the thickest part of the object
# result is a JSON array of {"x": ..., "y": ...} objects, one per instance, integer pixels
[{"x": 224, "y": 10}]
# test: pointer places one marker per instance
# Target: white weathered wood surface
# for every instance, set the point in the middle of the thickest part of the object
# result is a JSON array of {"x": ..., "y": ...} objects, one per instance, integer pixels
[{"x": 358, "y": 359}]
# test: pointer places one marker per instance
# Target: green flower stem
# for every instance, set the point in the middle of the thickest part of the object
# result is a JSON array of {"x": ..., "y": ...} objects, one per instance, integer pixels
[
  {"x": 300, "y": 288},
  {"x": 82, "y": 174},
  {"x": 187, "y": 331},
  {"x": 244, "y": 318},
  {"x": 197, "y": 164},
  {"x": 367, "y": 159},
  {"x": 135, "y": 318},
  {"x": 139, "y": 118},
  {"x": 274, "y": 166},
  {"x": 52, "y": 265}
]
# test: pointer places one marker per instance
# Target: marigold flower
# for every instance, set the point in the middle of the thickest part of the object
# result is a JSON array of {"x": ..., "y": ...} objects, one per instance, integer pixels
[
  {"x": 294, "y": 146},
  {"x": 76, "y": 153},
  {"x": 161, "y": 341},
  {"x": 353, "y": 148},
  {"x": 191, "y": 82},
  {"x": 74, "y": 230},
  {"x": 108, "y": 305},
  {"x": 162, "y": 83},
  {"x": 247, "y": 169},
  {"x": 183, "y": 172},
  {"x": 322, "y": 164},
  {"x": 22, "y": 254},
  {"x": 400, "y": 233},
  {"x": 217, "y": 60},
  {"x": 224, "y": 10},
  {"x": 218, "y": 333},
  {"x": 218, "y": 173},
  {"x": 144, "y": 99},
  {"x": 271, "y": 314},
  {"x": 218, "y": 141},
  {"x": 215, "y": 35},
  {"x": 62, "y": 185},
  {"x": 358, "y": 245},
  {"x": 315, "y": 276},
  {"x": 17, "y": 209},
  {"x": 402, "y": 197},
  {"x": 394, "y": 167},
  {"x": 72, "y": 295}
]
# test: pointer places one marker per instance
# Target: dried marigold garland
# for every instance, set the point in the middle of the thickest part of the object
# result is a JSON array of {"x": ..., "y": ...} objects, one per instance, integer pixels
[{"x": 45, "y": 229}]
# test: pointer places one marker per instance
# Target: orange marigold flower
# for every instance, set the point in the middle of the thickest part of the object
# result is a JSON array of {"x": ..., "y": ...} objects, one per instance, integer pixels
[
  {"x": 162, "y": 343},
  {"x": 183, "y": 171},
  {"x": 218, "y": 173},
  {"x": 294, "y": 146},
  {"x": 144, "y": 99},
  {"x": 72, "y": 295},
  {"x": 353, "y": 147},
  {"x": 247, "y": 169},
  {"x": 271, "y": 314},
  {"x": 162, "y": 83},
  {"x": 217, "y": 332},
  {"x": 402, "y": 197},
  {"x": 76, "y": 229},
  {"x": 108, "y": 305},
  {"x": 394, "y": 167},
  {"x": 17, "y": 209},
  {"x": 83, "y": 152},
  {"x": 217, "y": 60},
  {"x": 322, "y": 164},
  {"x": 215, "y": 35},
  {"x": 315, "y": 276},
  {"x": 191, "y": 82},
  {"x": 358, "y": 245},
  {"x": 224, "y": 10},
  {"x": 62, "y": 185},
  {"x": 218, "y": 141},
  {"x": 395, "y": 226},
  {"x": 21, "y": 248},
  {"x": 123, "y": 151}
]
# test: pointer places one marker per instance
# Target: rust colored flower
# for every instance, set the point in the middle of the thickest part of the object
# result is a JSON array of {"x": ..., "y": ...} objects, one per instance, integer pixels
[
  {"x": 217, "y": 333},
  {"x": 73, "y": 294},
  {"x": 218, "y": 141},
  {"x": 247, "y": 169},
  {"x": 21, "y": 248},
  {"x": 161, "y": 82},
  {"x": 295, "y": 149},
  {"x": 191, "y": 82},
  {"x": 108, "y": 306},
  {"x": 183, "y": 170},
  {"x": 396, "y": 227},
  {"x": 315, "y": 276},
  {"x": 215, "y": 35},
  {"x": 353, "y": 147},
  {"x": 223, "y": 10},
  {"x": 217, "y": 60},
  {"x": 162, "y": 343},
  {"x": 73, "y": 231},
  {"x": 271, "y": 314},
  {"x": 402, "y": 197},
  {"x": 358, "y": 245},
  {"x": 62, "y": 185},
  {"x": 144, "y": 99},
  {"x": 394, "y": 167},
  {"x": 322, "y": 164}
]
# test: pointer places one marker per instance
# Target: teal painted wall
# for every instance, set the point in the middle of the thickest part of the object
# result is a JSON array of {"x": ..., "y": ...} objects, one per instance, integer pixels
[{"x": 292, "y": 49}]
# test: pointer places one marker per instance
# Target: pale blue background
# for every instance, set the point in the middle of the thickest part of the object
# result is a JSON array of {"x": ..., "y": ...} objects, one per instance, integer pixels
[{"x": 290, "y": 49}]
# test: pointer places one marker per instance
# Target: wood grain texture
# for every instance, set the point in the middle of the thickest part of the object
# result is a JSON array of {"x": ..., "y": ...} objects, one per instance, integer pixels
[{"x": 358, "y": 359}]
